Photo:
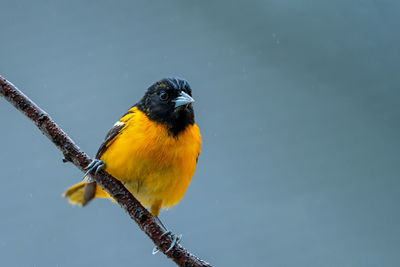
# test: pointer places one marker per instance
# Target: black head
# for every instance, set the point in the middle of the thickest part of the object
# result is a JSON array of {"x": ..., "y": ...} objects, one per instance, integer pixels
[{"x": 169, "y": 102}]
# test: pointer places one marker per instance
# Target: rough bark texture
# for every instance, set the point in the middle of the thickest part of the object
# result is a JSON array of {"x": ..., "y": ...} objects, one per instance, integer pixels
[{"x": 80, "y": 159}]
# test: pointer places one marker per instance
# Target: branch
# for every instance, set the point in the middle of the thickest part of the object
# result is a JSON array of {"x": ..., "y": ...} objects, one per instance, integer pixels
[{"x": 113, "y": 186}]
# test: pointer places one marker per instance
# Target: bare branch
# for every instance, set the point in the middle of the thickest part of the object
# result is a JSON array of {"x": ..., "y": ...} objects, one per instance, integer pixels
[{"x": 113, "y": 187}]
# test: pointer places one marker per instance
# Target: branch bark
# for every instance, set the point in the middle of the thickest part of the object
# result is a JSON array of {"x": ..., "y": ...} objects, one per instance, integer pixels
[{"x": 114, "y": 187}]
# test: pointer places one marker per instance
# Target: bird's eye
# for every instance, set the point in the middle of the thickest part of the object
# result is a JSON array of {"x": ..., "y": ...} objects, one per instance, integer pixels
[{"x": 163, "y": 96}]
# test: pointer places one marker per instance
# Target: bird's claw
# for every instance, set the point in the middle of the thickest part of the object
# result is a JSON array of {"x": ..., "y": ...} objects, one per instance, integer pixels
[
  {"x": 175, "y": 240},
  {"x": 166, "y": 233},
  {"x": 96, "y": 165},
  {"x": 155, "y": 250}
]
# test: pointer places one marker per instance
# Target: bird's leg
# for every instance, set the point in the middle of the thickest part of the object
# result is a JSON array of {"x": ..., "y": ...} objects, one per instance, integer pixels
[
  {"x": 96, "y": 165},
  {"x": 175, "y": 238}
]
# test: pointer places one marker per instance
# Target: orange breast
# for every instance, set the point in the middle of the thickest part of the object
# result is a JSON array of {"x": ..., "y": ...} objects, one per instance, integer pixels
[{"x": 154, "y": 165}]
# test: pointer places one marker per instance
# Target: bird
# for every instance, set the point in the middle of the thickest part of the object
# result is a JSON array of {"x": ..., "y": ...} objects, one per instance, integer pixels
[{"x": 152, "y": 149}]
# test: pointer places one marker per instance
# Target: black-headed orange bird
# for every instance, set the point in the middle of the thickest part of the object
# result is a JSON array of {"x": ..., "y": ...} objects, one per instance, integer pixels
[{"x": 152, "y": 149}]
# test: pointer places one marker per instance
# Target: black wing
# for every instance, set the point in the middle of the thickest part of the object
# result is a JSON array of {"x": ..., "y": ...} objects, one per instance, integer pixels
[
  {"x": 110, "y": 138},
  {"x": 113, "y": 132},
  {"x": 90, "y": 187}
]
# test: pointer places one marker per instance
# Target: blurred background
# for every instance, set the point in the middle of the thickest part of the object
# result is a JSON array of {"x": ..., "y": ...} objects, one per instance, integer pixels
[{"x": 297, "y": 102}]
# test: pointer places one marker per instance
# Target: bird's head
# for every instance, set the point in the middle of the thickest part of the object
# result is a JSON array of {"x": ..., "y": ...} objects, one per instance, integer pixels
[{"x": 169, "y": 102}]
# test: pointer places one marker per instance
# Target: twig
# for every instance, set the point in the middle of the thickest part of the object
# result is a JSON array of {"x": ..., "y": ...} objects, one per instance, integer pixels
[{"x": 113, "y": 187}]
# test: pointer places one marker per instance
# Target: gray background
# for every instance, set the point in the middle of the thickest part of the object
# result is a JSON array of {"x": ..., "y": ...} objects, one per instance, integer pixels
[{"x": 297, "y": 102}]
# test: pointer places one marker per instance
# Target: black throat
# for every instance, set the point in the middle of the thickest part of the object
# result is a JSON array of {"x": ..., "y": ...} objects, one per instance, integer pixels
[{"x": 176, "y": 121}]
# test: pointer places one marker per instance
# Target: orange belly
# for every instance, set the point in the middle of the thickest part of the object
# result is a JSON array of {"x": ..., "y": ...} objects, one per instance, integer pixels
[{"x": 155, "y": 166}]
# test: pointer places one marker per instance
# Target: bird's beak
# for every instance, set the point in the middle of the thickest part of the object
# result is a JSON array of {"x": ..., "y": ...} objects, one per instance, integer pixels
[{"x": 183, "y": 99}]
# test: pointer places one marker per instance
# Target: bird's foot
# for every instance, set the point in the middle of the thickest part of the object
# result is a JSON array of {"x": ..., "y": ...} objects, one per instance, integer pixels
[
  {"x": 96, "y": 165},
  {"x": 175, "y": 240}
]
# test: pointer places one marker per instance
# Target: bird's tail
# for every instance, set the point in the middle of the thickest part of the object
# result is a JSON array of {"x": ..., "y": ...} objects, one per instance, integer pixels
[{"x": 81, "y": 193}]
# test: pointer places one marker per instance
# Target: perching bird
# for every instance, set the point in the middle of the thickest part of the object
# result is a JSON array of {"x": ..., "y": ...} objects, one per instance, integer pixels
[{"x": 152, "y": 149}]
